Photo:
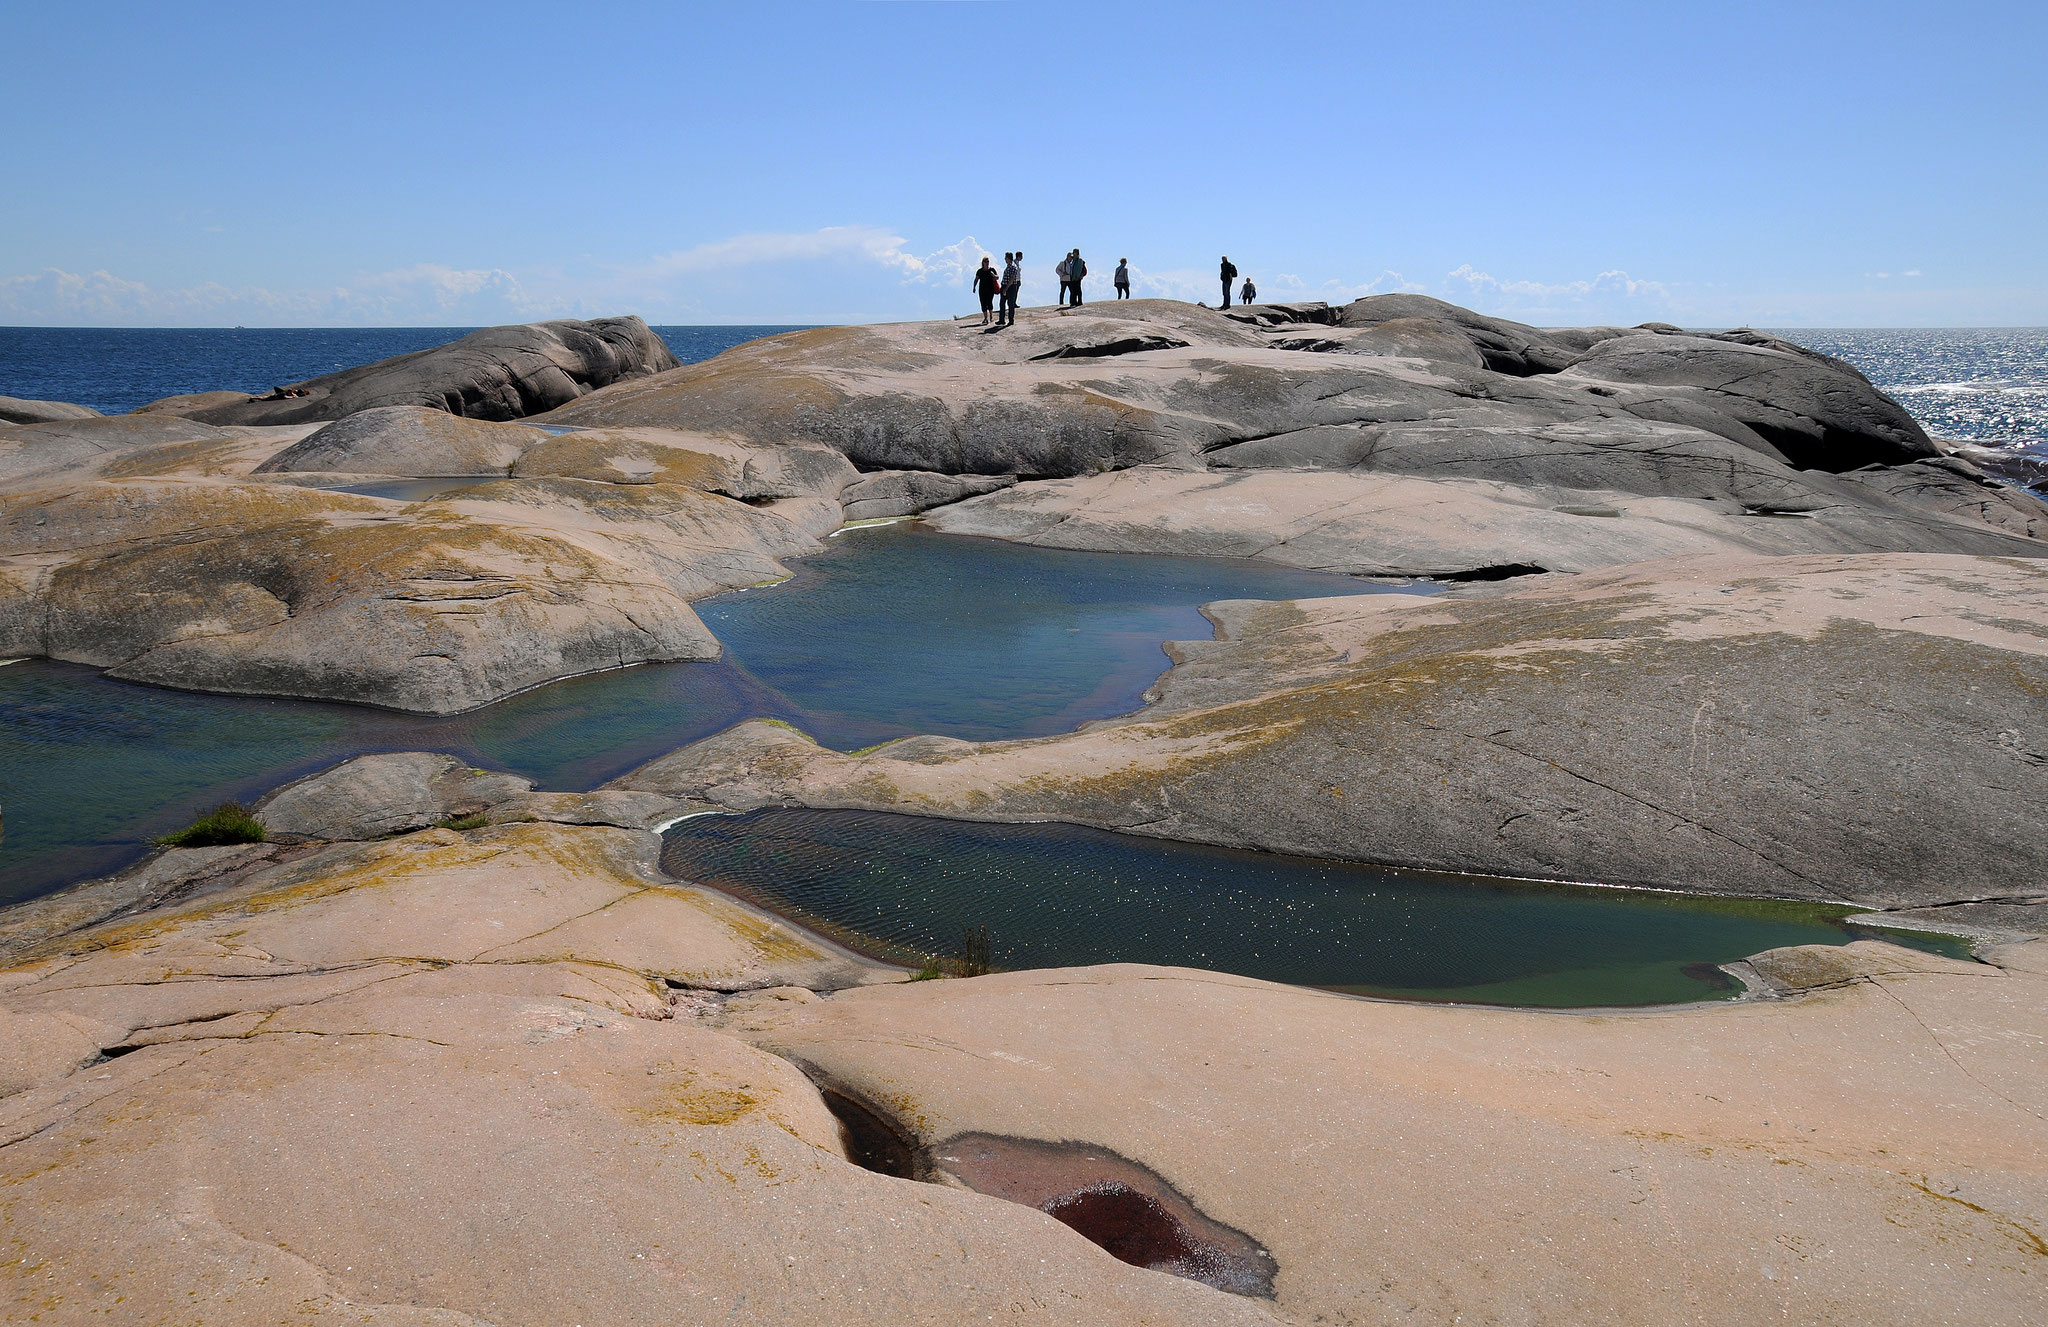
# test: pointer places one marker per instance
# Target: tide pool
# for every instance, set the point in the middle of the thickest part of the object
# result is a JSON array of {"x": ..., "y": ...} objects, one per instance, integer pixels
[
  {"x": 891, "y": 630},
  {"x": 1055, "y": 895}
]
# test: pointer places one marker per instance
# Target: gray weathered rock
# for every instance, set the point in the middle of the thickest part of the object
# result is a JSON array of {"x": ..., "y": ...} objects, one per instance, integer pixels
[
  {"x": 405, "y": 440},
  {"x": 15, "y": 410},
  {"x": 1869, "y": 729},
  {"x": 1707, "y": 431},
  {"x": 888, "y": 493},
  {"x": 497, "y": 373},
  {"x": 373, "y": 796}
]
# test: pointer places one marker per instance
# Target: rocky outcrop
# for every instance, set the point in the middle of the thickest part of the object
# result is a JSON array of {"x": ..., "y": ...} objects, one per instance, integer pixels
[
  {"x": 371, "y": 797},
  {"x": 179, "y": 553},
  {"x": 120, "y": 446},
  {"x": 14, "y": 410},
  {"x": 890, "y": 493},
  {"x": 405, "y": 440},
  {"x": 1393, "y": 436},
  {"x": 498, "y": 373},
  {"x": 489, "y": 1075},
  {"x": 1338, "y": 437},
  {"x": 1719, "y": 725}
]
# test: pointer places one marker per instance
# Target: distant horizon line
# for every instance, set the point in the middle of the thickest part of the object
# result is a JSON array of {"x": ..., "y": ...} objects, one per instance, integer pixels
[{"x": 474, "y": 327}]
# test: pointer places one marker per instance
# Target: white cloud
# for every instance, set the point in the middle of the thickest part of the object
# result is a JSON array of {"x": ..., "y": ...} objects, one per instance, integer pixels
[
  {"x": 864, "y": 244},
  {"x": 54, "y": 297},
  {"x": 1612, "y": 296}
]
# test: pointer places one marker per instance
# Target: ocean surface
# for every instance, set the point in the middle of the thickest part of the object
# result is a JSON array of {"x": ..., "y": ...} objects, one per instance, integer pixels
[
  {"x": 116, "y": 369},
  {"x": 1987, "y": 386},
  {"x": 1983, "y": 385}
]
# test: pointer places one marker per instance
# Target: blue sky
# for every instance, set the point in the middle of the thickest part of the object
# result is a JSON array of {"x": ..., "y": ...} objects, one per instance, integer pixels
[{"x": 450, "y": 164}]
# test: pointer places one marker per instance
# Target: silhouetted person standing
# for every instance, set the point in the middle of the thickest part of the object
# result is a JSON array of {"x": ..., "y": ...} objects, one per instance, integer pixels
[
  {"x": 986, "y": 282},
  {"x": 1122, "y": 279},
  {"x": 1229, "y": 275},
  {"x": 1076, "y": 269},
  {"x": 1013, "y": 282}
]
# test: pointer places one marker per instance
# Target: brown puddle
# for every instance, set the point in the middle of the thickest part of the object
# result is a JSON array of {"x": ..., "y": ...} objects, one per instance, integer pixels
[{"x": 1126, "y": 1208}]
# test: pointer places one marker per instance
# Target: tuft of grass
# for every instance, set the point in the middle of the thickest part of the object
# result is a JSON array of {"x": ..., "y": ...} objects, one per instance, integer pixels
[
  {"x": 230, "y": 822},
  {"x": 931, "y": 971},
  {"x": 475, "y": 821},
  {"x": 974, "y": 953}
]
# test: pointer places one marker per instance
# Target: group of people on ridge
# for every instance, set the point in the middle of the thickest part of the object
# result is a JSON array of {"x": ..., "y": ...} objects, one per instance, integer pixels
[{"x": 992, "y": 285}]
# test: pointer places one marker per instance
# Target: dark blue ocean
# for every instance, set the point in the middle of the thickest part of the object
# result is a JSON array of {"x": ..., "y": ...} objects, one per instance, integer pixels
[
  {"x": 1985, "y": 386},
  {"x": 116, "y": 369}
]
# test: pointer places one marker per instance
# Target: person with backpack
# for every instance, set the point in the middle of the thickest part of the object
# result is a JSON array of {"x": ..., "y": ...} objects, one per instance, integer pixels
[
  {"x": 1013, "y": 283},
  {"x": 986, "y": 282},
  {"x": 1076, "y": 269},
  {"x": 1229, "y": 275},
  {"x": 1249, "y": 293},
  {"x": 1122, "y": 279}
]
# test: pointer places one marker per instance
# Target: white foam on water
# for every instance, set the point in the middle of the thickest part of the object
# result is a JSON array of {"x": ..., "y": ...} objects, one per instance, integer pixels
[
  {"x": 667, "y": 825},
  {"x": 869, "y": 525}
]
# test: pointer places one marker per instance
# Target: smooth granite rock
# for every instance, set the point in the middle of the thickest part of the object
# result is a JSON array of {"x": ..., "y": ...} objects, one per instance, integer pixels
[
  {"x": 1500, "y": 423},
  {"x": 405, "y": 440},
  {"x": 891, "y": 493},
  {"x": 1820, "y": 1159},
  {"x": 373, "y": 796},
  {"x": 1870, "y": 730},
  {"x": 515, "y": 1076},
  {"x": 15, "y": 410},
  {"x": 497, "y": 373},
  {"x": 185, "y": 554}
]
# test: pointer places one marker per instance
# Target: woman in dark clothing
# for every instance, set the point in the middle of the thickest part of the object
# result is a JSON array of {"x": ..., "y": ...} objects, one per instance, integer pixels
[{"x": 986, "y": 282}]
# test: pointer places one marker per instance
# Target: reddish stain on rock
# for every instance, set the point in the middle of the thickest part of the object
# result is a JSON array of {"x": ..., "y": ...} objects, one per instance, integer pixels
[{"x": 1126, "y": 1208}]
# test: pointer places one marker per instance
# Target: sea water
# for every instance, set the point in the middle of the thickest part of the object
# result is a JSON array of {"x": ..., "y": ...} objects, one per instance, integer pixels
[{"x": 116, "y": 369}]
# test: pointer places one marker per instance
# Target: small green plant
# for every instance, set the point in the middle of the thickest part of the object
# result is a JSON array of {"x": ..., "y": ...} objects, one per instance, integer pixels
[
  {"x": 974, "y": 952},
  {"x": 230, "y": 822},
  {"x": 931, "y": 971},
  {"x": 475, "y": 821}
]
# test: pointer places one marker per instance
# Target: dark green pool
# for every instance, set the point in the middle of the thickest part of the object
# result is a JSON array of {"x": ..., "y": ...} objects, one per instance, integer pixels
[
  {"x": 1061, "y": 895},
  {"x": 890, "y": 631}
]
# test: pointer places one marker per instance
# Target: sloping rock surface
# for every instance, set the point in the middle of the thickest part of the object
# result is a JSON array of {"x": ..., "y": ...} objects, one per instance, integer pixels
[
  {"x": 393, "y": 793},
  {"x": 497, "y": 373},
  {"x": 405, "y": 440},
  {"x": 14, "y": 410},
  {"x": 178, "y": 552},
  {"x": 1870, "y": 730},
  {"x": 515, "y": 1076},
  {"x": 1359, "y": 427}
]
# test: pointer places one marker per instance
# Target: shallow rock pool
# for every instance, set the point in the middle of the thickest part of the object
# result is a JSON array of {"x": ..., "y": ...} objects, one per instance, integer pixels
[{"x": 1063, "y": 895}]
